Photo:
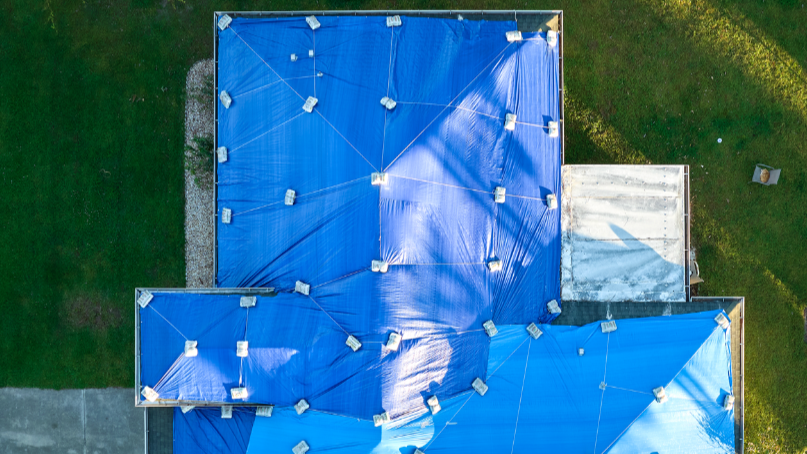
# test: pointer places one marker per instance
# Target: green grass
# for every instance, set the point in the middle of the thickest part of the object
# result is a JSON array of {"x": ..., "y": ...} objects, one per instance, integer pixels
[{"x": 92, "y": 183}]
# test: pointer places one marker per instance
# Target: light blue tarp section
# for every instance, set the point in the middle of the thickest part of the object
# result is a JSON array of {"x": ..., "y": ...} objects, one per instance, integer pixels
[
  {"x": 443, "y": 147},
  {"x": 543, "y": 396},
  {"x": 203, "y": 431},
  {"x": 296, "y": 351}
]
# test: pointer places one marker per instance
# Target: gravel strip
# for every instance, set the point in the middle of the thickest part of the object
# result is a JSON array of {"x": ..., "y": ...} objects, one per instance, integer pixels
[{"x": 199, "y": 204}]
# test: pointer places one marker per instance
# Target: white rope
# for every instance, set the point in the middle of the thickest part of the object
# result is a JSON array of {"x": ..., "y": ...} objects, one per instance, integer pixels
[
  {"x": 389, "y": 78},
  {"x": 631, "y": 390},
  {"x": 340, "y": 278},
  {"x": 441, "y": 184},
  {"x": 270, "y": 84},
  {"x": 160, "y": 381},
  {"x": 265, "y": 133},
  {"x": 508, "y": 357},
  {"x": 531, "y": 124},
  {"x": 308, "y": 194},
  {"x": 343, "y": 137},
  {"x": 455, "y": 107},
  {"x": 301, "y": 97},
  {"x": 329, "y": 315},
  {"x": 241, "y": 368},
  {"x": 602, "y": 396},
  {"x": 452, "y": 101},
  {"x": 267, "y": 64},
  {"x": 449, "y": 421},
  {"x": 166, "y": 321},
  {"x": 436, "y": 264},
  {"x": 523, "y": 382},
  {"x": 314, "y": 45}
]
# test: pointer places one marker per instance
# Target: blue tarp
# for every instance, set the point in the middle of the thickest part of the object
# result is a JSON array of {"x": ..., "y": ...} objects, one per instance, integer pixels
[
  {"x": 203, "y": 431},
  {"x": 297, "y": 352},
  {"x": 443, "y": 147},
  {"x": 544, "y": 396}
]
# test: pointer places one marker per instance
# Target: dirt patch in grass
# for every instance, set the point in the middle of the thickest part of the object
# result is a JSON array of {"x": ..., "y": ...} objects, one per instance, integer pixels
[{"x": 91, "y": 311}]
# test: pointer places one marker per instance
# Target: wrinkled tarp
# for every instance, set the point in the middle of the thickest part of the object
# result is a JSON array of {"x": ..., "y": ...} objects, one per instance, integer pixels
[
  {"x": 203, "y": 431},
  {"x": 542, "y": 395},
  {"x": 296, "y": 351},
  {"x": 443, "y": 147}
]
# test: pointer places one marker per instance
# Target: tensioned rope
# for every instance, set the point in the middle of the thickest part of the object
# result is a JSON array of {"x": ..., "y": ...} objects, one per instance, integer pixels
[
  {"x": 389, "y": 77},
  {"x": 602, "y": 395},
  {"x": 523, "y": 382},
  {"x": 265, "y": 133},
  {"x": 166, "y": 320},
  {"x": 473, "y": 392},
  {"x": 471, "y": 111},
  {"x": 308, "y": 194},
  {"x": 450, "y": 103},
  {"x": 465, "y": 188},
  {"x": 241, "y": 367},
  {"x": 269, "y": 85},
  {"x": 300, "y": 96},
  {"x": 329, "y": 315}
]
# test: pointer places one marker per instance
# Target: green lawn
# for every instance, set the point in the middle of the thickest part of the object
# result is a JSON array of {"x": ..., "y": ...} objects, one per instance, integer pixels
[{"x": 92, "y": 182}]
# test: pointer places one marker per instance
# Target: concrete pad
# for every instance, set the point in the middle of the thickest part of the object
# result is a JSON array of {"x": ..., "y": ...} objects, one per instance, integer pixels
[{"x": 91, "y": 421}]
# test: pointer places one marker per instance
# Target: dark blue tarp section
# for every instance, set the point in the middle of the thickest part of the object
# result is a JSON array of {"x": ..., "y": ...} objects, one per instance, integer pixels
[
  {"x": 296, "y": 351},
  {"x": 203, "y": 431},
  {"x": 443, "y": 147},
  {"x": 543, "y": 396}
]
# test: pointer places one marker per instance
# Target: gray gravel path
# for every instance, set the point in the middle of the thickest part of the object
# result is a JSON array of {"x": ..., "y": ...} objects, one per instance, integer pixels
[{"x": 199, "y": 204}]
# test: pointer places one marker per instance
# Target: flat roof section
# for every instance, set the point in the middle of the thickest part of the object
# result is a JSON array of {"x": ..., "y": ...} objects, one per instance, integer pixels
[{"x": 624, "y": 233}]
